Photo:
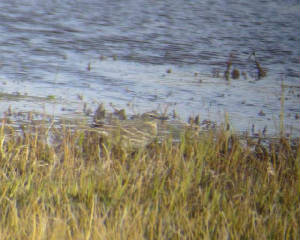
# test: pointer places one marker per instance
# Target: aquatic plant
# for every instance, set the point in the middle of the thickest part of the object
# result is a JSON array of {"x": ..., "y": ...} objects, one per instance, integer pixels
[
  {"x": 89, "y": 67},
  {"x": 121, "y": 114},
  {"x": 99, "y": 114},
  {"x": 261, "y": 72},
  {"x": 51, "y": 97},
  {"x": 228, "y": 67}
]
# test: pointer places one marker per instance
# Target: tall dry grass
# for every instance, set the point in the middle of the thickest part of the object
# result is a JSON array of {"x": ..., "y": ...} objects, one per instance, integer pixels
[{"x": 78, "y": 184}]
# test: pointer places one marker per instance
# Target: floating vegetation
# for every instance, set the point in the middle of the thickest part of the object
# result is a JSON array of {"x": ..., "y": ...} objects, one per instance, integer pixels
[
  {"x": 51, "y": 97},
  {"x": 12, "y": 96}
]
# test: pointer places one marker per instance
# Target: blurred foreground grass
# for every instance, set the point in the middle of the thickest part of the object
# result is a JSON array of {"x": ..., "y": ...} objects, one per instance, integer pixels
[{"x": 62, "y": 183}]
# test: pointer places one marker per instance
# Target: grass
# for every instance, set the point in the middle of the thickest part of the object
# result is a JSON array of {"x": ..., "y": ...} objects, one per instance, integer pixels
[{"x": 63, "y": 183}]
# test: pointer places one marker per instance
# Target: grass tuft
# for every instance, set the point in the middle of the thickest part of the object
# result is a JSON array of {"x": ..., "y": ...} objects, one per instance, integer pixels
[{"x": 61, "y": 183}]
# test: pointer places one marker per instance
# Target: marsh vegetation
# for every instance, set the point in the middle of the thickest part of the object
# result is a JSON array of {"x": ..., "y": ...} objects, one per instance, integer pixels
[
  {"x": 123, "y": 171},
  {"x": 61, "y": 182}
]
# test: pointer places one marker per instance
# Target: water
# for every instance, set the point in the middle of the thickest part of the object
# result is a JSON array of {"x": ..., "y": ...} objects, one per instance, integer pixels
[{"x": 119, "y": 52}]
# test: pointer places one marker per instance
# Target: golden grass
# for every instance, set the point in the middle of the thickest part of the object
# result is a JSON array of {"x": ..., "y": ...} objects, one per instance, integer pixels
[{"x": 77, "y": 184}]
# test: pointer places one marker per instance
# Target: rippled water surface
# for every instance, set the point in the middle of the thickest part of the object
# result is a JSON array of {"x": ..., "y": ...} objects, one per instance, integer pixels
[{"x": 153, "y": 54}]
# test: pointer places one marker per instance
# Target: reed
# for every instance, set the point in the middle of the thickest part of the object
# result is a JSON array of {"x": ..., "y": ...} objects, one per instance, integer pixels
[
  {"x": 282, "y": 109},
  {"x": 63, "y": 183}
]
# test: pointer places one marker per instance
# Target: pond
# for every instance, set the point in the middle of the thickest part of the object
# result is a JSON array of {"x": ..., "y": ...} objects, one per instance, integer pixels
[{"x": 63, "y": 56}]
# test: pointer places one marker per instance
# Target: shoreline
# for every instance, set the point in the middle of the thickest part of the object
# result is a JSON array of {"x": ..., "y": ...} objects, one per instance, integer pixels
[
  {"x": 166, "y": 121},
  {"x": 66, "y": 182}
]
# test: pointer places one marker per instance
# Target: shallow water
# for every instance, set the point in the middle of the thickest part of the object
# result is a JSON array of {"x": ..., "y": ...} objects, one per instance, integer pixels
[{"x": 120, "y": 51}]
